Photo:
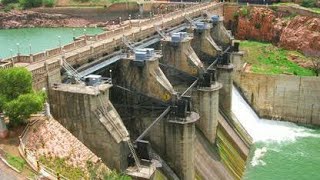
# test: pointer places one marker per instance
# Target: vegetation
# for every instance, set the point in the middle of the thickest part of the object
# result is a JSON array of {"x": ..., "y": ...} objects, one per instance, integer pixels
[
  {"x": 15, "y": 161},
  {"x": 268, "y": 59},
  {"x": 308, "y": 3},
  {"x": 48, "y": 3},
  {"x": 60, "y": 166},
  {"x": 30, "y": 3},
  {"x": 17, "y": 99},
  {"x": 5, "y": 2},
  {"x": 244, "y": 12},
  {"x": 113, "y": 175},
  {"x": 96, "y": 173},
  {"x": 315, "y": 58}
]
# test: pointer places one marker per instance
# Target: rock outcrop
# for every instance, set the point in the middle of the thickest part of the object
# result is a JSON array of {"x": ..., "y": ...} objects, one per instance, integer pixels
[
  {"x": 263, "y": 24},
  {"x": 303, "y": 34},
  {"x": 22, "y": 19},
  {"x": 259, "y": 24}
]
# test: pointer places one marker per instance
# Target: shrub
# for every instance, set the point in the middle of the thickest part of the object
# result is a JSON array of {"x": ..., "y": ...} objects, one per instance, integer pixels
[
  {"x": 274, "y": 8},
  {"x": 5, "y": 2},
  {"x": 308, "y": 3},
  {"x": 8, "y": 7},
  {"x": 48, "y": 3},
  {"x": 244, "y": 12},
  {"x": 30, "y": 3},
  {"x": 257, "y": 25},
  {"x": 235, "y": 15}
]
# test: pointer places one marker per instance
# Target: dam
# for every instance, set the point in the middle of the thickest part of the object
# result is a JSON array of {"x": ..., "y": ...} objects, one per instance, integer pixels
[{"x": 157, "y": 96}]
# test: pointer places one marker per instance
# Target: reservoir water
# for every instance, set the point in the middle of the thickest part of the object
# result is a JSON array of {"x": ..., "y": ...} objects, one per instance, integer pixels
[
  {"x": 40, "y": 39},
  {"x": 281, "y": 150}
]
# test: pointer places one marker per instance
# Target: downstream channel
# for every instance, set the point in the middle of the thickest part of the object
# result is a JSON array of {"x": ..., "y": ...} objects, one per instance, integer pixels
[
  {"x": 281, "y": 150},
  {"x": 40, "y": 39}
]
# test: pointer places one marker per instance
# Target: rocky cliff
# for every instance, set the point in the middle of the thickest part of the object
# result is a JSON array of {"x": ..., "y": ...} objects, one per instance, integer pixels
[
  {"x": 292, "y": 32},
  {"x": 21, "y": 19}
]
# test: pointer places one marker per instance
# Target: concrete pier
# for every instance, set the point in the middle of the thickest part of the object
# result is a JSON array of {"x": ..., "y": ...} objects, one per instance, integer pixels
[
  {"x": 89, "y": 115},
  {"x": 236, "y": 58},
  {"x": 178, "y": 53},
  {"x": 203, "y": 44},
  {"x": 145, "y": 76},
  {"x": 219, "y": 33},
  {"x": 225, "y": 72},
  {"x": 180, "y": 142},
  {"x": 207, "y": 105}
]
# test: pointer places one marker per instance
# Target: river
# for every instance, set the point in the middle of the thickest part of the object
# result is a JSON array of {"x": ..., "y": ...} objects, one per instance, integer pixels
[
  {"x": 38, "y": 39},
  {"x": 281, "y": 150}
]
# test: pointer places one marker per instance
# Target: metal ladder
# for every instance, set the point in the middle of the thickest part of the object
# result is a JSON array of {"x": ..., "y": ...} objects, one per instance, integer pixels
[
  {"x": 160, "y": 32},
  {"x": 189, "y": 20},
  {"x": 70, "y": 70},
  {"x": 133, "y": 152},
  {"x": 121, "y": 135},
  {"x": 126, "y": 41},
  {"x": 206, "y": 12}
]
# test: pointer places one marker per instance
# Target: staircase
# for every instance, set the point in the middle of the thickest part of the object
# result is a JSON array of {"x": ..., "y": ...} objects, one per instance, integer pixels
[
  {"x": 161, "y": 33},
  {"x": 71, "y": 71},
  {"x": 126, "y": 41},
  {"x": 189, "y": 20},
  {"x": 133, "y": 152}
]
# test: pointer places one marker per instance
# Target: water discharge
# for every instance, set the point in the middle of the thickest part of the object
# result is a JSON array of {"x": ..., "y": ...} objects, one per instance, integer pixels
[
  {"x": 266, "y": 130},
  {"x": 281, "y": 150}
]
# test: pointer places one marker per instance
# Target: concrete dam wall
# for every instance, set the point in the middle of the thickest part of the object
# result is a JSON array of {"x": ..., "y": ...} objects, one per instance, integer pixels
[{"x": 290, "y": 98}]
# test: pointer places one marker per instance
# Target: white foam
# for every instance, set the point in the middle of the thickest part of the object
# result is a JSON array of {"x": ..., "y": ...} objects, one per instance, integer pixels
[
  {"x": 257, "y": 158},
  {"x": 266, "y": 130}
]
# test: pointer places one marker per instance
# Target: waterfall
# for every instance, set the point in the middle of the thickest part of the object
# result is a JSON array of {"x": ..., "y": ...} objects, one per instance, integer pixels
[{"x": 263, "y": 129}]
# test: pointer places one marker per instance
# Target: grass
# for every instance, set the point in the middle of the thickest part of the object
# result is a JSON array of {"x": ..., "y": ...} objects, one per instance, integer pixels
[
  {"x": 15, "y": 161},
  {"x": 268, "y": 59},
  {"x": 60, "y": 166},
  {"x": 313, "y": 9}
]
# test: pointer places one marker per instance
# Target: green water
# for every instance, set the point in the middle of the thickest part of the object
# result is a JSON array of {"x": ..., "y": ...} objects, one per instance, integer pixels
[
  {"x": 292, "y": 160},
  {"x": 40, "y": 39}
]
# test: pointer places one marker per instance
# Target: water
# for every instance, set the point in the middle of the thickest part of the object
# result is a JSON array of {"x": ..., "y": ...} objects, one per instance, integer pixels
[
  {"x": 40, "y": 39},
  {"x": 281, "y": 150}
]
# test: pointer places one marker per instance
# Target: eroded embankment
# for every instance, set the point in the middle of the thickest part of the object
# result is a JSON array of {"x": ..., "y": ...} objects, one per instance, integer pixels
[
  {"x": 27, "y": 19},
  {"x": 290, "y": 31}
]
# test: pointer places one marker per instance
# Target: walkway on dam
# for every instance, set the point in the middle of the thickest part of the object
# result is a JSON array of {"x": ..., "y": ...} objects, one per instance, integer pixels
[{"x": 128, "y": 32}]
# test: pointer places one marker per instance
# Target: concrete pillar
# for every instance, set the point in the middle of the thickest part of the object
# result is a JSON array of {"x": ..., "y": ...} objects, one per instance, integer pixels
[
  {"x": 78, "y": 108},
  {"x": 225, "y": 77},
  {"x": 180, "y": 142},
  {"x": 220, "y": 34},
  {"x": 31, "y": 58},
  {"x": 207, "y": 105},
  {"x": 181, "y": 56},
  {"x": 203, "y": 44},
  {"x": 145, "y": 77},
  {"x": 236, "y": 60}
]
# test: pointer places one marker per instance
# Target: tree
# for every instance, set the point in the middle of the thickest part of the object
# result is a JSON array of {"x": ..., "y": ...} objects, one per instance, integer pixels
[
  {"x": 14, "y": 82},
  {"x": 21, "y": 108},
  {"x": 315, "y": 58},
  {"x": 17, "y": 99}
]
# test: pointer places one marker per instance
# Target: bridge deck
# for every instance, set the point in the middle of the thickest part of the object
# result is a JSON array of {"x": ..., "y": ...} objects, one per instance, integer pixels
[{"x": 145, "y": 26}]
